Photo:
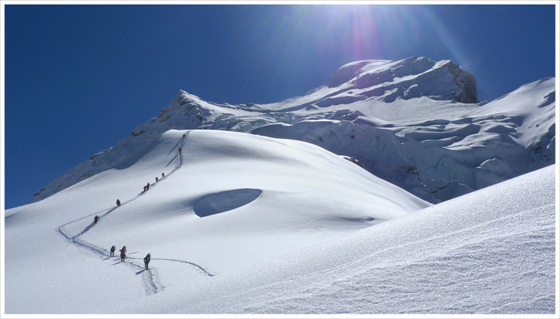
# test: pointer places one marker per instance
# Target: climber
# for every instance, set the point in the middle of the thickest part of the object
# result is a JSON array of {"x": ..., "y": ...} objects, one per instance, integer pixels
[
  {"x": 147, "y": 260},
  {"x": 123, "y": 253},
  {"x": 113, "y": 251}
]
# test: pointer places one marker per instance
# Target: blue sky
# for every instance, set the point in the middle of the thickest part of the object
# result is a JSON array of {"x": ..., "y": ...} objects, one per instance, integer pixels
[{"x": 79, "y": 78}]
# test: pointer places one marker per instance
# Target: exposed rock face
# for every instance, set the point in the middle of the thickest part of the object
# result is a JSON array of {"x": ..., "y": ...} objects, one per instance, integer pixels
[{"x": 467, "y": 82}]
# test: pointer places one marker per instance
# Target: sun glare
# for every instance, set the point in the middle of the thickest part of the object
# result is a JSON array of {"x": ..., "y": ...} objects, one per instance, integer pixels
[{"x": 374, "y": 31}]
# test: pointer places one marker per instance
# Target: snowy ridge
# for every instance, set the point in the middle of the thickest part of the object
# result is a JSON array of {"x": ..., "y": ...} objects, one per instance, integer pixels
[{"x": 416, "y": 123}]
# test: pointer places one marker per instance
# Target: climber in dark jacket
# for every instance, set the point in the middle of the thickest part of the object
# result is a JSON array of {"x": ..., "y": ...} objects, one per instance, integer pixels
[
  {"x": 113, "y": 251},
  {"x": 147, "y": 260},
  {"x": 123, "y": 253}
]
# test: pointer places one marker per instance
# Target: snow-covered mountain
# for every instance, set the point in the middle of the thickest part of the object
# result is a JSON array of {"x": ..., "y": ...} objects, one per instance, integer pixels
[
  {"x": 273, "y": 208},
  {"x": 416, "y": 123}
]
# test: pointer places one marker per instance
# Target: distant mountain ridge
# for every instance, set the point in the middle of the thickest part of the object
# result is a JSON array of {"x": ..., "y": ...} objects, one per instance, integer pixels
[{"x": 416, "y": 123}]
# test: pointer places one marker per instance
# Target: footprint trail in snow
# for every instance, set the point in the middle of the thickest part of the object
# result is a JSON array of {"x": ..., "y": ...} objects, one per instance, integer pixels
[{"x": 149, "y": 277}]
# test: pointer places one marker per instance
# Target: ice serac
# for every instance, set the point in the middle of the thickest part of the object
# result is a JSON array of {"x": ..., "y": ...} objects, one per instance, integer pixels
[{"x": 416, "y": 123}]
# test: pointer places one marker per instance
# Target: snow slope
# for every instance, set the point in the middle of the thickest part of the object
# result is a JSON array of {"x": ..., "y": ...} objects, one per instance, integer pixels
[
  {"x": 248, "y": 224},
  {"x": 415, "y": 122},
  {"x": 228, "y": 200},
  {"x": 489, "y": 252}
]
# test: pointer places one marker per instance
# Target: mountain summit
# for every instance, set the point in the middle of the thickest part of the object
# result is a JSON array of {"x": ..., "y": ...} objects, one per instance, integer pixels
[
  {"x": 407, "y": 79},
  {"x": 416, "y": 123}
]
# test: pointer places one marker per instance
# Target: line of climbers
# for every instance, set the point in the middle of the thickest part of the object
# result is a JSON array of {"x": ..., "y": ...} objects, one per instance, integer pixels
[
  {"x": 147, "y": 187},
  {"x": 123, "y": 250},
  {"x": 123, "y": 255}
]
